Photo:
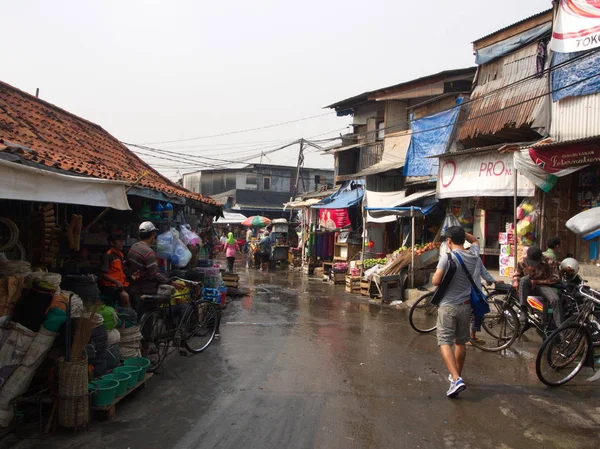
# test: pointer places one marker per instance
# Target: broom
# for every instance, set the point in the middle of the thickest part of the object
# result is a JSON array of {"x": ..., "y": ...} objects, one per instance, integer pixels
[{"x": 84, "y": 332}]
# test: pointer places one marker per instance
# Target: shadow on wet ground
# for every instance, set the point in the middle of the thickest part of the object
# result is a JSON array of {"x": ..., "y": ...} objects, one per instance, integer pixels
[{"x": 302, "y": 364}]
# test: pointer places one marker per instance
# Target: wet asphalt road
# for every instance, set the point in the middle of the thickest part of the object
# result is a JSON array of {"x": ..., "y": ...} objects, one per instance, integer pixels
[{"x": 301, "y": 364}]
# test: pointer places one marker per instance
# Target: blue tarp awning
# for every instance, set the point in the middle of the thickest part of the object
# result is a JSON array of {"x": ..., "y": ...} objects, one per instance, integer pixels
[{"x": 341, "y": 200}]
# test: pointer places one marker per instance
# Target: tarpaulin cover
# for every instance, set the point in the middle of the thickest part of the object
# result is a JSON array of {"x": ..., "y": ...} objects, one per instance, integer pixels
[
  {"x": 425, "y": 199},
  {"x": 573, "y": 75},
  {"x": 231, "y": 218},
  {"x": 586, "y": 222},
  {"x": 18, "y": 182},
  {"x": 487, "y": 54},
  {"x": 430, "y": 136},
  {"x": 533, "y": 170},
  {"x": 382, "y": 200},
  {"x": 342, "y": 200},
  {"x": 349, "y": 194}
]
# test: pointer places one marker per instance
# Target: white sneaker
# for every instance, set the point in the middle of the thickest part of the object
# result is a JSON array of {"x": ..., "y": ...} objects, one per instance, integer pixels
[{"x": 456, "y": 387}]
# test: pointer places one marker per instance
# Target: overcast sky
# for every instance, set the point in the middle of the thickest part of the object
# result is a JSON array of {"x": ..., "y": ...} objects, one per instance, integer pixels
[{"x": 158, "y": 70}]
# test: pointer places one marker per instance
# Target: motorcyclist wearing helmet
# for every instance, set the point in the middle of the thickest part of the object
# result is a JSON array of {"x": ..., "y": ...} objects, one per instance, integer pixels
[
  {"x": 534, "y": 275},
  {"x": 569, "y": 268}
]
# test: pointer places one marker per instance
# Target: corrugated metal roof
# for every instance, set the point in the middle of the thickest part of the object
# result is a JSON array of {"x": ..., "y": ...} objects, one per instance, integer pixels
[
  {"x": 491, "y": 109},
  {"x": 576, "y": 118},
  {"x": 357, "y": 99},
  {"x": 539, "y": 14}
]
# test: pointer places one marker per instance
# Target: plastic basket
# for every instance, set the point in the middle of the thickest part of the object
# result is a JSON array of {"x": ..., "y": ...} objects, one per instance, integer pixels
[
  {"x": 106, "y": 392},
  {"x": 122, "y": 378},
  {"x": 139, "y": 362},
  {"x": 134, "y": 371}
]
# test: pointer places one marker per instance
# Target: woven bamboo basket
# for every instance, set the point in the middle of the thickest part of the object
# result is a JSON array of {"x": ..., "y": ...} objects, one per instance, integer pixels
[{"x": 73, "y": 399}]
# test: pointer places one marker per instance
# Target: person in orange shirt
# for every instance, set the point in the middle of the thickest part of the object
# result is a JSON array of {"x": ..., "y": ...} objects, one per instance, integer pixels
[{"x": 113, "y": 280}]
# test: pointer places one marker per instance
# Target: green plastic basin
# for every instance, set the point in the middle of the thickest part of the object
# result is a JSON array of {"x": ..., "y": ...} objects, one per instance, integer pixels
[
  {"x": 133, "y": 371},
  {"x": 122, "y": 378},
  {"x": 106, "y": 393},
  {"x": 140, "y": 362}
]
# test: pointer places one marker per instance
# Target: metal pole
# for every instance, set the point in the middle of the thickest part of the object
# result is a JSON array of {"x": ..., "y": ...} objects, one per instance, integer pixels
[
  {"x": 412, "y": 250},
  {"x": 363, "y": 237},
  {"x": 515, "y": 205},
  {"x": 300, "y": 163}
]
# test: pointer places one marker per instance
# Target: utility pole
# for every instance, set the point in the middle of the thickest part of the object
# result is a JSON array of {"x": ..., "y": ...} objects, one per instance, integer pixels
[{"x": 300, "y": 164}]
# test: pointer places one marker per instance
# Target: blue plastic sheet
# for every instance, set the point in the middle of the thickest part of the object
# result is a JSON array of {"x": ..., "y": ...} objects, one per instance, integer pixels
[
  {"x": 511, "y": 44},
  {"x": 573, "y": 75},
  {"x": 349, "y": 194},
  {"x": 430, "y": 137}
]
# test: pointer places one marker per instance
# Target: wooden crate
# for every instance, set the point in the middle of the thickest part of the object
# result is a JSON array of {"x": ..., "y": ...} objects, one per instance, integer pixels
[
  {"x": 338, "y": 278},
  {"x": 353, "y": 284}
]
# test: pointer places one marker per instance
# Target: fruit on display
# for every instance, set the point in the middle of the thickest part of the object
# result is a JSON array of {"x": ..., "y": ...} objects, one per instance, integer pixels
[{"x": 369, "y": 263}]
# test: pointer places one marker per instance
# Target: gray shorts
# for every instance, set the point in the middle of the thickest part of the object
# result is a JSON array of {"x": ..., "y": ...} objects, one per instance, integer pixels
[{"x": 453, "y": 324}]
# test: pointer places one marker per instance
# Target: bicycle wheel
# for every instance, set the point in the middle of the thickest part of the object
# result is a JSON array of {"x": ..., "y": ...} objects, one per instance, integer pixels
[
  {"x": 500, "y": 327},
  {"x": 423, "y": 315},
  {"x": 200, "y": 326},
  {"x": 155, "y": 342},
  {"x": 562, "y": 355}
]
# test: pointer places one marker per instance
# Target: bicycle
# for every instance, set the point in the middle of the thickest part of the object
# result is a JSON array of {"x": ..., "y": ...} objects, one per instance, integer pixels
[
  {"x": 501, "y": 324},
  {"x": 568, "y": 349},
  {"x": 195, "y": 328}
]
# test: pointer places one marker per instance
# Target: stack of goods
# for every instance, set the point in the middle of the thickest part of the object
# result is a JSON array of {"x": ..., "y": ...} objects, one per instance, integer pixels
[
  {"x": 338, "y": 273},
  {"x": 211, "y": 294},
  {"x": 12, "y": 279},
  {"x": 370, "y": 263},
  {"x": 46, "y": 243},
  {"x": 86, "y": 286},
  {"x": 507, "y": 251},
  {"x": 74, "y": 232},
  {"x": 130, "y": 342},
  {"x": 425, "y": 254}
]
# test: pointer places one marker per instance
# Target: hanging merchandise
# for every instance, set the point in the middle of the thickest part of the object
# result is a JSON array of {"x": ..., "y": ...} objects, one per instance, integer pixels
[
  {"x": 188, "y": 237},
  {"x": 449, "y": 221},
  {"x": 168, "y": 210},
  {"x": 527, "y": 215},
  {"x": 465, "y": 218},
  {"x": 165, "y": 245},
  {"x": 181, "y": 255}
]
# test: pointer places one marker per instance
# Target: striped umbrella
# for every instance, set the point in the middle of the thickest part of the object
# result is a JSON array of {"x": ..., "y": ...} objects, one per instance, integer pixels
[{"x": 257, "y": 221}]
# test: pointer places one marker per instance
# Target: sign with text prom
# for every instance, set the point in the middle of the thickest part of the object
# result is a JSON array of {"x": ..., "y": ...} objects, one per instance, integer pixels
[{"x": 485, "y": 174}]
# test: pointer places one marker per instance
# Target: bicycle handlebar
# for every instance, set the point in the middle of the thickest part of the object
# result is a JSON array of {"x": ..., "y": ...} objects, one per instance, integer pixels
[
  {"x": 187, "y": 281},
  {"x": 587, "y": 295}
]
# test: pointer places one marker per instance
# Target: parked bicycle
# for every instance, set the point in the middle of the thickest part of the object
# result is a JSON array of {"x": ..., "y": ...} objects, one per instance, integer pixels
[
  {"x": 568, "y": 349},
  {"x": 500, "y": 327},
  {"x": 194, "y": 329}
]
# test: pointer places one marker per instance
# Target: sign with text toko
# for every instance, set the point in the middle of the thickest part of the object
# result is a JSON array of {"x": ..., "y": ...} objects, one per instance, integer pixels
[
  {"x": 486, "y": 174},
  {"x": 577, "y": 26}
]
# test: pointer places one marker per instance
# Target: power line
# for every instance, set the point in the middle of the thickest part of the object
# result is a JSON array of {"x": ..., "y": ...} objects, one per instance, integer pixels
[
  {"x": 405, "y": 123},
  {"x": 240, "y": 131}
]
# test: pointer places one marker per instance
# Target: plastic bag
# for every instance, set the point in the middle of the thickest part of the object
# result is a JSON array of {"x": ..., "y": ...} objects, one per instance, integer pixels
[
  {"x": 465, "y": 218},
  {"x": 181, "y": 255},
  {"x": 188, "y": 237},
  {"x": 585, "y": 222},
  {"x": 165, "y": 245},
  {"x": 449, "y": 221}
]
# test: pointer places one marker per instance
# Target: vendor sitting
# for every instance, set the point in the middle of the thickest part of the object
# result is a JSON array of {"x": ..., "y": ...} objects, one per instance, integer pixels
[{"x": 113, "y": 280}]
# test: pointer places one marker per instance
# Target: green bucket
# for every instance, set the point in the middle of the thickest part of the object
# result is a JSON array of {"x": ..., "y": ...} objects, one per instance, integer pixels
[
  {"x": 133, "y": 371},
  {"x": 122, "y": 378},
  {"x": 106, "y": 393},
  {"x": 139, "y": 362}
]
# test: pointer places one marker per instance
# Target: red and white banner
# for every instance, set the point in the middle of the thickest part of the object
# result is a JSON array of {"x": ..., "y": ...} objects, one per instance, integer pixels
[
  {"x": 553, "y": 160},
  {"x": 484, "y": 174},
  {"x": 334, "y": 218},
  {"x": 577, "y": 26}
]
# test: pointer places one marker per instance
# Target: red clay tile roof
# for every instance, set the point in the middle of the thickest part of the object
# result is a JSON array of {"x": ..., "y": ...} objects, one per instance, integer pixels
[{"x": 62, "y": 140}]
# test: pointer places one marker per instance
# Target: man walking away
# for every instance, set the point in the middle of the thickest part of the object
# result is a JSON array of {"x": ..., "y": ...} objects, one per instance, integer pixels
[{"x": 454, "y": 312}]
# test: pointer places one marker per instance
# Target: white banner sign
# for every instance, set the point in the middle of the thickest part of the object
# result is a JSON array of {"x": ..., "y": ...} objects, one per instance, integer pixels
[
  {"x": 577, "y": 26},
  {"x": 485, "y": 174}
]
